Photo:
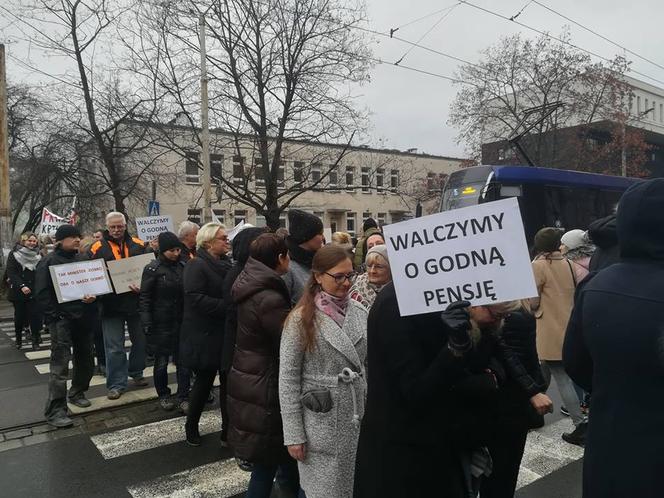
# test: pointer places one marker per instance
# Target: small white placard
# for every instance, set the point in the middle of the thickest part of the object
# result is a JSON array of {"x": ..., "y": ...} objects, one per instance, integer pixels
[
  {"x": 149, "y": 227},
  {"x": 478, "y": 254},
  {"x": 128, "y": 271},
  {"x": 72, "y": 281}
]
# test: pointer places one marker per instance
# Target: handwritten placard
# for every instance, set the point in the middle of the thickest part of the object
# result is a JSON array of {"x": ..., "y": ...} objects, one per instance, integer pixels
[
  {"x": 128, "y": 271},
  {"x": 72, "y": 281}
]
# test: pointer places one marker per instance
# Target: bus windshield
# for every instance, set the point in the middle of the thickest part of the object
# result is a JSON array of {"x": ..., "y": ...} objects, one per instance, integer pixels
[{"x": 467, "y": 194}]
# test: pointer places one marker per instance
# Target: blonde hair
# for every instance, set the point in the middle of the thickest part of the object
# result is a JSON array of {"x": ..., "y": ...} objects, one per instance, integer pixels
[
  {"x": 26, "y": 235},
  {"x": 341, "y": 238},
  {"x": 85, "y": 244},
  {"x": 207, "y": 233}
]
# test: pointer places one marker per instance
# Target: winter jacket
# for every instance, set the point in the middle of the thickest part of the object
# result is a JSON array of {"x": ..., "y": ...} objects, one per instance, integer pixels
[
  {"x": 19, "y": 277},
  {"x": 299, "y": 271},
  {"x": 187, "y": 253},
  {"x": 109, "y": 249},
  {"x": 204, "y": 313},
  {"x": 614, "y": 348},
  {"x": 404, "y": 447},
  {"x": 45, "y": 294},
  {"x": 263, "y": 303},
  {"x": 160, "y": 305},
  {"x": 360, "y": 248},
  {"x": 331, "y": 436},
  {"x": 603, "y": 234},
  {"x": 555, "y": 282}
]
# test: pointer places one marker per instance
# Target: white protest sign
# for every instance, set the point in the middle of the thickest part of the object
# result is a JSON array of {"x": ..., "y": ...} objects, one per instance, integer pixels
[
  {"x": 235, "y": 230},
  {"x": 478, "y": 254},
  {"x": 50, "y": 222},
  {"x": 128, "y": 271},
  {"x": 72, "y": 281},
  {"x": 149, "y": 227}
]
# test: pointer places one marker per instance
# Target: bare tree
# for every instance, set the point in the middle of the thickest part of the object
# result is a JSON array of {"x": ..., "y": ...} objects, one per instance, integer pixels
[
  {"x": 281, "y": 74},
  {"x": 518, "y": 74}
]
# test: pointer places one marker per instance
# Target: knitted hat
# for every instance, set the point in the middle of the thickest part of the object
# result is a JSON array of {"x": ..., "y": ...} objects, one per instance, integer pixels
[
  {"x": 575, "y": 238},
  {"x": 369, "y": 223},
  {"x": 303, "y": 226},
  {"x": 547, "y": 239},
  {"x": 379, "y": 249},
  {"x": 168, "y": 241},
  {"x": 65, "y": 231}
]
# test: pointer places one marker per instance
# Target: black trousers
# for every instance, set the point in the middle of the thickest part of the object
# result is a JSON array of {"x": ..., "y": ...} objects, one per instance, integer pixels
[
  {"x": 199, "y": 394},
  {"x": 26, "y": 312},
  {"x": 68, "y": 334},
  {"x": 506, "y": 451}
]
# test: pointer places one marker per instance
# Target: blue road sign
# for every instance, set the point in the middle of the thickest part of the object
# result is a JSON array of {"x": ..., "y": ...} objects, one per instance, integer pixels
[{"x": 153, "y": 208}]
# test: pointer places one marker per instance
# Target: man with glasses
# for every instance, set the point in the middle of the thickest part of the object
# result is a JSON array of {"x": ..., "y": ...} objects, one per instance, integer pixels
[
  {"x": 304, "y": 239},
  {"x": 120, "y": 309}
]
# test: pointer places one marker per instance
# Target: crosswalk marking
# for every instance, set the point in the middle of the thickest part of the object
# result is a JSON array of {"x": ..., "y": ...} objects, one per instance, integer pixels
[
  {"x": 146, "y": 437},
  {"x": 46, "y": 353},
  {"x": 98, "y": 380},
  {"x": 218, "y": 479}
]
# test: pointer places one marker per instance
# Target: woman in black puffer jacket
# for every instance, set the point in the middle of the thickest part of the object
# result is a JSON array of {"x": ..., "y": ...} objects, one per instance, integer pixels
[{"x": 160, "y": 306}]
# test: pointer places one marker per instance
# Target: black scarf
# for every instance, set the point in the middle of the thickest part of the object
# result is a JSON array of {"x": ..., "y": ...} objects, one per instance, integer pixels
[{"x": 299, "y": 255}]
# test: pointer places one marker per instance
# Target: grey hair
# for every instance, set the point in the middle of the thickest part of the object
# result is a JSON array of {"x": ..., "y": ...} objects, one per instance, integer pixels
[
  {"x": 186, "y": 227},
  {"x": 115, "y": 214}
]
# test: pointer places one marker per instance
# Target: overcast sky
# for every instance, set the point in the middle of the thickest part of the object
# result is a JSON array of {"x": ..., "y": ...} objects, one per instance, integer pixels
[{"x": 410, "y": 110}]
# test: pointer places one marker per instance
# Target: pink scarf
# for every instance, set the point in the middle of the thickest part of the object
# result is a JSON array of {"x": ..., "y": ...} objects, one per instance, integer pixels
[{"x": 332, "y": 306}]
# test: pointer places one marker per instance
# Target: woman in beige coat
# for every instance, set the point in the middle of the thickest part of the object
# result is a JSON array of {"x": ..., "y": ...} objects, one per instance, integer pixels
[
  {"x": 322, "y": 386},
  {"x": 555, "y": 281}
]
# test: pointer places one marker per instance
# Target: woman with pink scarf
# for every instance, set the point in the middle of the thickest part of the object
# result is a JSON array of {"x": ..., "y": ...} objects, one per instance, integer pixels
[{"x": 322, "y": 386}]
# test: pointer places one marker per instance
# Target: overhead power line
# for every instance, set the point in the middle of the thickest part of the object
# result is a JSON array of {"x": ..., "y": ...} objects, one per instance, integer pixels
[
  {"x": 427, "y": 16},
  {"x": 622, "y": 47},
  {"x": 559, "y": 40}
]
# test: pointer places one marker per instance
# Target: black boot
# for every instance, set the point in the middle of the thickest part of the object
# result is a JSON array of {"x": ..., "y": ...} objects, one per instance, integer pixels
[
  {"x": 193, "y": 436},
  {"x": 578, "y": 436},
  {"x": 19, "y": 339},
  {"x": 36, "y": 341}
]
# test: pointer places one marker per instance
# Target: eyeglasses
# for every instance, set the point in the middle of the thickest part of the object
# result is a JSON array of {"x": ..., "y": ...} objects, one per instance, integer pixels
[
  {"x": 376, "y": 267},
  {"x": 115, "y": 227},
  {"x": 340, "y": 278},
  {"x": 223, "y": 238}
]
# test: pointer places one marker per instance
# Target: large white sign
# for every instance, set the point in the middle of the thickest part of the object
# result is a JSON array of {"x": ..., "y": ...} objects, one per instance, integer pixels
[
  {"x": 50, "y": 222},
  {"x": 149, "y": 227},
  {"x": 128, "y": 271},
  {"x": 478, "y": 254},
  {"x": 72, "y": 281}
]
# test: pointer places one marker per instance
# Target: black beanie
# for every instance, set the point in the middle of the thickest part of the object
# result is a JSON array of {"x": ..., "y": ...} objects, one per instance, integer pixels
[
  {"x": 303, "y": 226},
  {"x": 369, "y": 223},
  {"x": 547, "y": 239},
  {"x": 167, "y": 241},
  {"x": 65, "y": 231}
]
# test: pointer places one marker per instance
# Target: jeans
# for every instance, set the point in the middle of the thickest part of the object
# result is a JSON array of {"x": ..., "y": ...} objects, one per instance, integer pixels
[
  {"x": 262, "y": 478},
  {"x": 161, "y": 378},
  {"x": 200, "y": 391},
  {"x": 27, "y": 312},
  {"x": 117, "y": 369},
  {"x": 565, "y": 388},
  {"x": 65, "y": 335}
]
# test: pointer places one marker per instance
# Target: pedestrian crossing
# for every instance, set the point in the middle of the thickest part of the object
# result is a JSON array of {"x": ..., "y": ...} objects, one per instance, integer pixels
[{"x": 545, "y": 453}]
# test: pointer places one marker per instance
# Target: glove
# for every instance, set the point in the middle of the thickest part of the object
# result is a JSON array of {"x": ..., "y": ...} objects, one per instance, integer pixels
[{"x": 456, "y": 320}]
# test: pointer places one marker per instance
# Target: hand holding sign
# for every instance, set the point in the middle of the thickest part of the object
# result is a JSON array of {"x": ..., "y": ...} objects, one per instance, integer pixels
[
  {"x": 478, "y": 254},
  {"x": 82, "y": 280}
]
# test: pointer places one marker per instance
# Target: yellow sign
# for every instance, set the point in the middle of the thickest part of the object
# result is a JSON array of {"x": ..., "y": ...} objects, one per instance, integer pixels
[{"x": 468, "y": 191}]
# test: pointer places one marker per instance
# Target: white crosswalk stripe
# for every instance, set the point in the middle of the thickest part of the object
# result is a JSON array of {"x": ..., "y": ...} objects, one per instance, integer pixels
[{"x": 46, "y": 353}]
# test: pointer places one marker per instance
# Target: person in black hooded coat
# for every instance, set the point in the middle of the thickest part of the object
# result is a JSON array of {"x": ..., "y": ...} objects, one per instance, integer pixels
[
  {"x": 614, "y": 347},
  {"x": 603, "y": 234}
]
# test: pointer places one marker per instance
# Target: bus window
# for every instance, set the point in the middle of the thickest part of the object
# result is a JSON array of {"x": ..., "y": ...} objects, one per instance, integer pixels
[{"x": 462, "y": 196}]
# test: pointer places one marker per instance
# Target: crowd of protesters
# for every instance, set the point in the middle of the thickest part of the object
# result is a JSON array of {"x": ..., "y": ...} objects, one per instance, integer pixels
[{"x": 327, "y": 390}]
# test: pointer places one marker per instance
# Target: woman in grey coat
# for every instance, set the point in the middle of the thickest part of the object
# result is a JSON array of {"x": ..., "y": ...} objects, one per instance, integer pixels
[{"x": 322, "y": 386}]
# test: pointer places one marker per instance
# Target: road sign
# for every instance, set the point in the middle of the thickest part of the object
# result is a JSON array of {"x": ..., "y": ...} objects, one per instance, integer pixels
[{"x": 153, "y": 208}]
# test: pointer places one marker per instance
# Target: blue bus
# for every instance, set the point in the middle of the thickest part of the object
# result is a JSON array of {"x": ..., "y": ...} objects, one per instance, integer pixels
[{"x": 547, "y": 197}]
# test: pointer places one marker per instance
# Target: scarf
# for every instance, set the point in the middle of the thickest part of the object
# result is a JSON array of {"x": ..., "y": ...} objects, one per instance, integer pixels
[
  {"x": 299, "y": 255},
  {"x": 332, "y": 306},
  {"x": 27, "y": 258}
]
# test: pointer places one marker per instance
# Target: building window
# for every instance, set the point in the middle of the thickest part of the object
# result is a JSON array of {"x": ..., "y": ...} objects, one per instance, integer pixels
[
  {"x": 381, "y": 218},
  {"x": 221, "y": 215},
  {"x": 365, "y": 179},
  {"x": 194, "y": 214},
  {"x": 238, "y": 170},
  {"x": 380, "y": 177},
  {"x": 431, "y": 181},
  {"x": 315, "y": 173},
  {"x": 259, "y": 173},
  {"x": 501, "y": 154},
  {"x": 298, "y": 171},
  {"x": 350, "y": 178},
  {"x": 239, "y": 216},
  {"x": 192, "y": 174},
  {"x": 334, "y": 177},
  {"x": 394, "y": 180},
  {"x": 645, "y": 110},
  {"x": 638, "y": 105},
  {"x": 350, "y": 223},
  {"x": 216, "y": 163},
  {"x": 654, "y": 111}
]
